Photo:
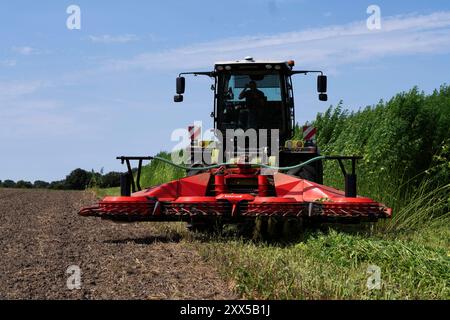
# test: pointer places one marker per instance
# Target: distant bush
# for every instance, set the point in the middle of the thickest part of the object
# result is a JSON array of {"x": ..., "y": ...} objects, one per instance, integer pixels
[
  {"x": 9, "y": 184},
  {"x": 58, "y": 185},
  {"x": 39, "y": 184},
  {"x": 158, "y": 172},
  {"x": 21, "y": 184},
  {"x": 95, "y": 179},
  {"x": 78, "y": 179},
  {"x": 110, "y": 180}
]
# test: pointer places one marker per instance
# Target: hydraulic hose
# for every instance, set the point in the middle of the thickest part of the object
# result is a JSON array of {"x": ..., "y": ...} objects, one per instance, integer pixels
[{"x": 298, "y": 166}]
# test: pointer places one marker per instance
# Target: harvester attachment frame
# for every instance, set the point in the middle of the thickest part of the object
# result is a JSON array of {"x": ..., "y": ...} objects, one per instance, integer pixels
[
  {"x": 238, "y": 192},
  {"x": 127, "y": 180}
]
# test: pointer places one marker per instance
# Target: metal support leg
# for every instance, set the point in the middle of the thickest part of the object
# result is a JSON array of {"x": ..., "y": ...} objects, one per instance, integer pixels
[
  {"x": 125, "y": 185},
  {"x": 350, "y": 186}
]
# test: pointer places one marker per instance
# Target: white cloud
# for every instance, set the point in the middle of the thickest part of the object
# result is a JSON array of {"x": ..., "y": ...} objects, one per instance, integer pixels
[
  {"x": 25, "y": 51},
  {"x": 318, "y": 47},
  {"x": 109, "y": 39}
]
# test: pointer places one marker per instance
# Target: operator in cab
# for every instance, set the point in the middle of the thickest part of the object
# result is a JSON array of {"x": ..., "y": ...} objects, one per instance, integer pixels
[{"x": 254, "y": 100}]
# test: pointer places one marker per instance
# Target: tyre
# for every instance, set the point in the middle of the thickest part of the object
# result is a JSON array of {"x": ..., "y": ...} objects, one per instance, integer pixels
[{"x": 207, "y": 226}]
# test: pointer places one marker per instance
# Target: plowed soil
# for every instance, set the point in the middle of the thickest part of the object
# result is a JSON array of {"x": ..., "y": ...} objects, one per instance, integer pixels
[{"x": 41, "y": 235}]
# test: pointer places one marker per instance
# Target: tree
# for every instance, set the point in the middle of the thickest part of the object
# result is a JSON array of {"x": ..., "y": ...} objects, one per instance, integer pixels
[
  {"x": 9, "y": 184},
  {"x": 78, "y": 179},
  {"x": 21, "y": 184},
  {"x": 95, "y": 179},
  {"x": 58, "y": 185},
  {"x": 38, "y": 184},
  {"x": 110, "y": 180}
]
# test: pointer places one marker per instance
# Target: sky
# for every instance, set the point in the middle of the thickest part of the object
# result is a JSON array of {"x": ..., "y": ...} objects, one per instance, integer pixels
[{"x": 77, "y": 98}]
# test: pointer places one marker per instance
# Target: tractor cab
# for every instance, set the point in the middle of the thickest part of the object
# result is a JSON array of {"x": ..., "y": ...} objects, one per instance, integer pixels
[
  {"x": 253, "y": 94},
  {"x": 259, "y": 95}
]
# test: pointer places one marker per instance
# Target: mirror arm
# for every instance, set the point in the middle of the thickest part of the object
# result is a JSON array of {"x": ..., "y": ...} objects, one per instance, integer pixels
[
  {"x": 209, "y": 74},
  {"x": 305, "y": 72}
]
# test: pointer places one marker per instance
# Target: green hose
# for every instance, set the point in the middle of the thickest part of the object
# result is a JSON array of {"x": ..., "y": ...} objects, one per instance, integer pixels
[
  {"x": 298, "y": 166},
  {"x": 191, "y": 168}
]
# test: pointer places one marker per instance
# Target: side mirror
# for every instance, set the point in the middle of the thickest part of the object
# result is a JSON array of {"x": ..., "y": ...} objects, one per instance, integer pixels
[
  {"x": 178, "y": 98},
  {"x": 322, "y": 87},
  {"x": 181, "y": 85},
  {"x": 322, "y": 84}
]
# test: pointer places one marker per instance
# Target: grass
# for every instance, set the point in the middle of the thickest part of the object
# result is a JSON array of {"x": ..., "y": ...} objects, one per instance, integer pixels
[
  {"x": 101, "y": 193},
  {"x": 157, "y": 172},
  {"x": 332, "y": 266}
]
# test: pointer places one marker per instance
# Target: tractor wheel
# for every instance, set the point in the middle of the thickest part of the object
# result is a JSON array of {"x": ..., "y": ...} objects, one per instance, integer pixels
[
  {"x": 245, "y": 229},
  {"x": 293, "y": 229},
  {"x": 274, "y": 228},
  {"x": 210, "y": 227},
  {"x": 260, "y": 230}
]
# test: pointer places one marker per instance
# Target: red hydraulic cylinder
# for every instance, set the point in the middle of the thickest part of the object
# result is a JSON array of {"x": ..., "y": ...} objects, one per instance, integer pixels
[
  {"x": 263, "y": 186},
  {"x": 219, "y": 184}
]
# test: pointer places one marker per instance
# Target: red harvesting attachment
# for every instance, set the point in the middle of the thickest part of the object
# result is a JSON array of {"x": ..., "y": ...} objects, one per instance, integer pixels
[{"x": 236, "y": 193}]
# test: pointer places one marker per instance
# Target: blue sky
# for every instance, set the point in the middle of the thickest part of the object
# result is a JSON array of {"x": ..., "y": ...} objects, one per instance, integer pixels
[{"x": 79, "y": 98}]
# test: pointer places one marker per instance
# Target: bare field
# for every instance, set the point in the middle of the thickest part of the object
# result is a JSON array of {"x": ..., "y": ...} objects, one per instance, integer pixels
[{"x": 41, "y": 235}]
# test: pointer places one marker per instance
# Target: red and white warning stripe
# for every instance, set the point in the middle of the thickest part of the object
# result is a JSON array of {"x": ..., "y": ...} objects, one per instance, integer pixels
[
  {"x": 194, "y": 133},
  {"x": 309, "y": 133}
]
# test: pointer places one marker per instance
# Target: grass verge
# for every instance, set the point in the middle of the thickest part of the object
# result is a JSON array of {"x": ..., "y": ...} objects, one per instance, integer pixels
[
  {"x": 332, "y": 266},
  {"x": 101, "y": 193}
]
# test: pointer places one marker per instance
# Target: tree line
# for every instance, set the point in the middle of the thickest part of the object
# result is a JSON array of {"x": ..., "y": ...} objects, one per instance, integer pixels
[{"x": 78, "y": 179}]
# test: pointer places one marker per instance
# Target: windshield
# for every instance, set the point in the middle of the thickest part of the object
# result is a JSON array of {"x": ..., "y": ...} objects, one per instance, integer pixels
[
  {"x": 250, "y": 100},
  {"x": 267, "y": 84}
]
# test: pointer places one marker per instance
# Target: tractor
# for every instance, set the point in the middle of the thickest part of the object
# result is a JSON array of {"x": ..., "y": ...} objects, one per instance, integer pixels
[{"x": 241, "y": 178}]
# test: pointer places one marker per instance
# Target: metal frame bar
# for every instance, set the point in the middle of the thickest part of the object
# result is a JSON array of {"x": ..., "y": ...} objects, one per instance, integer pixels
[
  {"x": 341, "y": 164},
  {"x": 135, "y": 185},
  {"x": 305, "y": 72},
  {"x": 200, "y": 73},
  {"x": 349, "y": 178}
]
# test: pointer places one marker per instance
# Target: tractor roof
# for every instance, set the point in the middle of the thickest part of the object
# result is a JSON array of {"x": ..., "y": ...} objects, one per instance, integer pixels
[{"x": 250, "y": 61}]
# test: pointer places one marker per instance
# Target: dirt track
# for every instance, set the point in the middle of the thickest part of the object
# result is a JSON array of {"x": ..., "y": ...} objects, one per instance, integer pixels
[{"x": 41, "y": 235}]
